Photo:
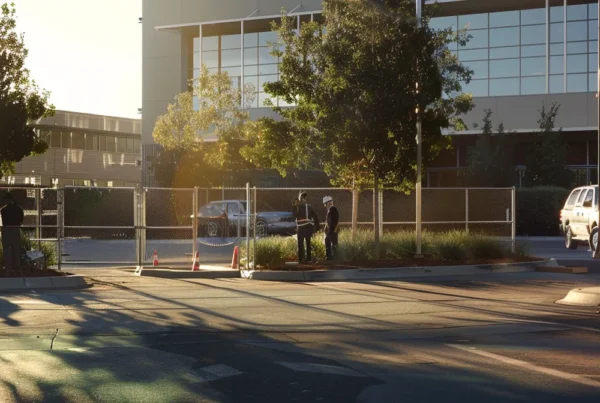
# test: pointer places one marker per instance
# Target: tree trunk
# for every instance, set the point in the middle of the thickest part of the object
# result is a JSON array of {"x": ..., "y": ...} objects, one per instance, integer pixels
[{"x": 376, "y": 216}]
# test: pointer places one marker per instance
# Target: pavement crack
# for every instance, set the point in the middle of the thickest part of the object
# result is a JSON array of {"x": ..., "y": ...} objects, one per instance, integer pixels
[{"x": 53, "y": 338}]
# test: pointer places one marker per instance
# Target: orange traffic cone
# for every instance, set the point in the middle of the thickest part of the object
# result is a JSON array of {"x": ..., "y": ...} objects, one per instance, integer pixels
[
  {"x": 155, "y": 258},
  {"x": 234, "y": 260},
  {"x": 196, "y": 264}
]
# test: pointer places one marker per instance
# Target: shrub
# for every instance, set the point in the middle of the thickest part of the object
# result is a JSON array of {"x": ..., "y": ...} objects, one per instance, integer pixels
[
  {"x": 538, "y": 210},
  {"x": 451, "y": 246},
  {"x": 48, "y": 249}
]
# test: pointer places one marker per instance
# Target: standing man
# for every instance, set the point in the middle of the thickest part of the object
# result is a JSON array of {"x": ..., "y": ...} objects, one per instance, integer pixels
[
  {"x": 12, "y": 219},
  {"x": 306, "y": 223},
  {"x": 331, "y": 227}
]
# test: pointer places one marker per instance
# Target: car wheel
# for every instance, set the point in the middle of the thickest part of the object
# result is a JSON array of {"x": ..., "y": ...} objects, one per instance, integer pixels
[
  {"x": 213, "y": 229},
  {"x": 594, "y": 239},
  {"x": 570, "y": 243},
  {"x": 261, "y": 229}
]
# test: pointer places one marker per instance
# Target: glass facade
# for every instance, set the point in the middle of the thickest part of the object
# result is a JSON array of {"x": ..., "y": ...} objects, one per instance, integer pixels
[
  {"x": 511, "y": 52},
  {"x": 93, "y": 142},
  {"x": 510, "y": 55}
]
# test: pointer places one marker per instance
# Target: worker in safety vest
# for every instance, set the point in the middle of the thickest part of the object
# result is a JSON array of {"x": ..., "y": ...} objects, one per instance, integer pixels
[{"x": 306, "y": 224}]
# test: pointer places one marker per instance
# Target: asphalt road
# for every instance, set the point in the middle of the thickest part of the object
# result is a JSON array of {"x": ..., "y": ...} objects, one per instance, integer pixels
[
  {"x": 555, "y": 248},
  {"x": 491, "y": 338}
]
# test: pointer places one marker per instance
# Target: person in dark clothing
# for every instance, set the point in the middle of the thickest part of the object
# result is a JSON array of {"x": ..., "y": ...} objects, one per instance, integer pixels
[
  {"x": 12, "y": 219},
  {"x": 331, "y": 227},
  {"x": 306, "y": 223}
]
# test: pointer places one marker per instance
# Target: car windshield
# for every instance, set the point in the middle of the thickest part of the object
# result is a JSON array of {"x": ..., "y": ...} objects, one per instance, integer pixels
[{"x": 211, "y": 210}]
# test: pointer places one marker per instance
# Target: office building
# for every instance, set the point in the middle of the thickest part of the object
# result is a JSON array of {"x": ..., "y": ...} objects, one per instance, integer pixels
[
  {"x": 84, "y": 150},
  {"x": 524, "y": 53}
]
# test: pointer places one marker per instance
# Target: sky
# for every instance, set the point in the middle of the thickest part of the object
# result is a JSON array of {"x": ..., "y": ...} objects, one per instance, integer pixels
[{"x": 87, "y": 53}]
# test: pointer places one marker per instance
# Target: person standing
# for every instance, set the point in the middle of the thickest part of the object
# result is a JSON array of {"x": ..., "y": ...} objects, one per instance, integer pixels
[
  {"x": 306, "y": 223},
  {"x": 12, "y": 219},
  {"x": 332, "y": 223}
]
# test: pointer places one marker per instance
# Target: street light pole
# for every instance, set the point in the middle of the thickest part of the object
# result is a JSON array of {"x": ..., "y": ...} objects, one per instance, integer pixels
[
  {"x": 596, "y": 254},
  {"x": 418, "y": 188}
]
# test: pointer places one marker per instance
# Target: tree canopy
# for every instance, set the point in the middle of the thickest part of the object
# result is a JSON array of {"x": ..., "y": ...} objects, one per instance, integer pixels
[
  {"x": 353, "y": 83},
  {"x": 491, "y": 160},
  {"x": 21, "y": 100},
  {"x": 547, "y": 163},
  {"x": 210, "y": 107}
]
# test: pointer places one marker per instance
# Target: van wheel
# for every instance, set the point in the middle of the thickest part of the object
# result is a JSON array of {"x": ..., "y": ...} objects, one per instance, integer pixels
[
  {"x": 594, "y": 239},
  {"x": 570, "y": 243}
]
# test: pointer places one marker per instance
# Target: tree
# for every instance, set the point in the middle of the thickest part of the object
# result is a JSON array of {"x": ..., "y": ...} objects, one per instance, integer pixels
[
  {"x": 547, "y": 163},
  {"x": 491, "y": 160},
  {"x": 353, "y": 83},
  {"x": 211, "y": 106},
  {"x": 21, "y": 100}
]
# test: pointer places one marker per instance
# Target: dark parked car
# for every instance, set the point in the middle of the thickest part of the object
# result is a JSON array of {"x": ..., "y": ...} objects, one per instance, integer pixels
[{"x": 227, "y": 218}]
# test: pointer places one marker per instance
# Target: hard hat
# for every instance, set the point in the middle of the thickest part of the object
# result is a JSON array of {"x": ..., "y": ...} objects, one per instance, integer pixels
[{"x": 327, "y": 199}]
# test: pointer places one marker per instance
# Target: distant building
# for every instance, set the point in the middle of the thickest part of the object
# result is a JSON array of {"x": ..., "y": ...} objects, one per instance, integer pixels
[
  {"x": 523, "y": 53},
  {"x": 84, "y": 150}
]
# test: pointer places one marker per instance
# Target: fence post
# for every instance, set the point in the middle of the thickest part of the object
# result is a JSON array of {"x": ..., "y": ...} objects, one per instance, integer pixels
[
  {"x": 195, "y": 222},
  {"x": 381, "y": 212},
  {"x": 248, "y": 207},
  {"x": 355, "y": 195},
  {"x": 376, "y": 217},
  {"x": 467, "y": 210},
  {"x": 38, "y": 217},
  {"x": 254, "y": 228},
  {"x": 514, "y": 220},
  {"x": 60, "y": 224}
]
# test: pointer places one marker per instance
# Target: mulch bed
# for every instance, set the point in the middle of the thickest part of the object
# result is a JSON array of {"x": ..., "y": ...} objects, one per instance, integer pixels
[
  {"x": 30, "y": 273},
  {"x": 378, "y": 264}
]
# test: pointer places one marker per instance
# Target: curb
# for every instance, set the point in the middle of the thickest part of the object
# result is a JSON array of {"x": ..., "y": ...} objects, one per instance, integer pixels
[
  {"x": 210, "y": 274},
  {"x": 567, "y": 270},
  {"x": 394, "y": 273},
  {"x": 25, "y": 284},
  {"x": 582, "y": 297}
]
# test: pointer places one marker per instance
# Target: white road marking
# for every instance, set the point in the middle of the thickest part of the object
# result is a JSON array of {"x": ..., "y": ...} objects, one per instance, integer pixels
[
  {"x": 320, "y": 368},
  {"x": 215, "y": 372},
  {"x": 531, "y": 367}
]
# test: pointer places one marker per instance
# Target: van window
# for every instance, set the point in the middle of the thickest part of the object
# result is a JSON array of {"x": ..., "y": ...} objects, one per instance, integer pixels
[
  {"x": 581, "y": 197},
  {"x": 588, "y": 198},
  {"x": 573, "y": 198}
]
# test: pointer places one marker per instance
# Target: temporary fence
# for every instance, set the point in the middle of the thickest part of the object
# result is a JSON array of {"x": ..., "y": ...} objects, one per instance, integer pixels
[{"x": 143, "y": 226}]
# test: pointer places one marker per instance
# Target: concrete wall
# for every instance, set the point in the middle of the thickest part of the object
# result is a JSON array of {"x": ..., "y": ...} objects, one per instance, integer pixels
[{"x": 578, "y": 110}]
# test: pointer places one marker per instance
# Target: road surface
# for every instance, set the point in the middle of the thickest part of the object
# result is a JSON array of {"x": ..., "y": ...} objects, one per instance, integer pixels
[{"x": 491, "y": 338}]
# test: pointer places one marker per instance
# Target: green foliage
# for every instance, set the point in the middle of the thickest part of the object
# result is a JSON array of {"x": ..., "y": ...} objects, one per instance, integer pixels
[
  {"x": 21, "y": 100},
  {"x": 547, "y": 164},
  {"x": 491, "y": 161},
  {"x": 353, "y": 83},
  {"x": 538, "y": 210},
  {"x": 453, "y": 246},
  {"x": 47, "y": 248},
  {"x": 185, "y": 159}
]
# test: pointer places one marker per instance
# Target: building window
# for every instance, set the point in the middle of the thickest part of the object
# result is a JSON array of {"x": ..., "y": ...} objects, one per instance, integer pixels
[
  {"x": 91, "y": 142},
  {"x": 111, "y": 144},
  {"x": 121, "y": 144},
  {"x": 55, "y": 138}
]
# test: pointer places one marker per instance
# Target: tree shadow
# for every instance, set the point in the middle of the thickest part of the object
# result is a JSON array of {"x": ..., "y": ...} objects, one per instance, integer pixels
[{"x": 170, "y": 339}]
